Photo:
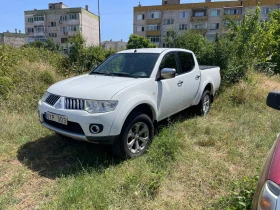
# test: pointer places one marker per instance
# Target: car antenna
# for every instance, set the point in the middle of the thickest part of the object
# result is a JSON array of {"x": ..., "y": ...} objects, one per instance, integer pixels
[{"x": 135, "y": 51}]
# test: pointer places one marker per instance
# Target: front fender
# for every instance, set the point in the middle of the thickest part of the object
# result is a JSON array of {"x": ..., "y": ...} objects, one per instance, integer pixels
[{"x": 127, "y": 108}]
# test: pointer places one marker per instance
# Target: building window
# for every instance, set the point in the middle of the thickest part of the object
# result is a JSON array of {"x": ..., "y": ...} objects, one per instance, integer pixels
[
  {"x": 184, "y": 14},
  {"x": 153, "y": 27},
  {"x": 63, "y": 18},
  {"x": 214, "y": 26},
  {"x": 52, "y": 34},
  {"x": 39, "y": 18},
  {"x": 40, "y": 29},
  {"x": 168, "y": 21},
  {"x": 30, "y": 30},
  {"x": 154, "y": 39},
  {"x": 73, "y": 28},
  {"x": 63, "y": 29},
  {"x": 64, "y": 40},
  {"x": 266, "y": 10},
  {"x": 53, "y": 24},
  {"x": 199, "y": 14},
  {"x": 165, "y": 2},
  {"x": 40, "y": 38},
  {"x": 199, "y": 26},
  {"x": 215, "y": 13},
  {"x": 233, "y": 11},
  {"x": 140, "y": 17},
  {"x": 154, "y": 15},
  {"x": 73, "y": 16},
  {"x": 183, "y": 27},
  {"x": 140, "y": 28},
  {"x": 30, "y": 20}
]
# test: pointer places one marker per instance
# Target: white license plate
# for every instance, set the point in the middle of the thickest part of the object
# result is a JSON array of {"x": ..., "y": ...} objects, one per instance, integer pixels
[{"x": 57, "y": 118}]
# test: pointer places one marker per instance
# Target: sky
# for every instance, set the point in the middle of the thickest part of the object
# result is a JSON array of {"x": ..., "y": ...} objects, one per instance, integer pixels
[{"x": 116, "y": 15}]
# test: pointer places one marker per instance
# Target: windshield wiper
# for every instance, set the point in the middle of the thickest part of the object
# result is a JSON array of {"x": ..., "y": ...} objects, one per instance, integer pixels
[{"x": 121, "y": 74}]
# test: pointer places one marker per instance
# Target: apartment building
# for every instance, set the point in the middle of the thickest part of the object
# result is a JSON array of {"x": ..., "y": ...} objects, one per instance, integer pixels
[
  {"x": 15, "y": 39},
  {"x": 59, "y": 22},
  {"x": 208, "y": 18}
]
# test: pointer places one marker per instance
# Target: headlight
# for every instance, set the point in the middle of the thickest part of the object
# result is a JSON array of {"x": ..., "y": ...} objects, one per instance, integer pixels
[
  {"x": 93, "y": 106},
  {"x": 45, "y": 96},
  {"x": 269, "y": 195}
]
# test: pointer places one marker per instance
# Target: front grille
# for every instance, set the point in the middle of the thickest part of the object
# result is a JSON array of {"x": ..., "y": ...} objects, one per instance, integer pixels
[
  {"x": 73, "y": 103},
  {"x": 52, "y": 99},
  {"x": 71, "y": 126}
]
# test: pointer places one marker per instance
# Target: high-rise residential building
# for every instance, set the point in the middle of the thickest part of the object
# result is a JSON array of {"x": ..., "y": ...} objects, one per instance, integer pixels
[
  {"x": 208, "y": 18},
  {"x": 59, "y": 22}
]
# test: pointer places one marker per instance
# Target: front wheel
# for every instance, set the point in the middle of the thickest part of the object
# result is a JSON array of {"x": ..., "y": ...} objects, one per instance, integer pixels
[
  {"x": 136, "y": 136},
  {"x": 204, "y": 103}
]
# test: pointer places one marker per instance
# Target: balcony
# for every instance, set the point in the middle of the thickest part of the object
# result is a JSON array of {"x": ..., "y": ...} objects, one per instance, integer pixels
[
  {"x": 39, "y": 33},
  {"x": 199, "y": 18},
  {"x": 153, "y": 21},
  {"x": 39, "y": 23},
  {"x": 233, "y": 17},
  {"x": 152, "y": 33}
]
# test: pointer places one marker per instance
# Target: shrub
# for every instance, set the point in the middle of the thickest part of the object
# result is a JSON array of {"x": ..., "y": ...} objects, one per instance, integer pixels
[{"x": 5, "y": 86}]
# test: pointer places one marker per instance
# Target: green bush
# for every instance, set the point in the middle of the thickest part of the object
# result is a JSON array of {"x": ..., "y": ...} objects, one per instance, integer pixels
[
  {"x": 5, "y": 86},
  {"x": 46, "y": 77}
]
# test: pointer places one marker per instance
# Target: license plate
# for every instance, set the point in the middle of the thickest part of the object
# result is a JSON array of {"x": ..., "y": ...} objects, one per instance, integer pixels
[{"x": 57, "y": 118}]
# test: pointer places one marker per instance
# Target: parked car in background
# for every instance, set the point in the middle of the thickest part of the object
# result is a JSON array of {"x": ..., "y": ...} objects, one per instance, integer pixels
[
  {"x": 267, "y": 195},
  {"x": 122, "y": 99}
]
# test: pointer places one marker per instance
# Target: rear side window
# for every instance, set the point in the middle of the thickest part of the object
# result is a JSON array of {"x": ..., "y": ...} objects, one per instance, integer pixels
[
  {"x": 168, "y": 61},
  {"x": 186, "y": 61}
]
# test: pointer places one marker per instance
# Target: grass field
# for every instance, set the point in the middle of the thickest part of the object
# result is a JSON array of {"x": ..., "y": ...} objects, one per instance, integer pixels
[{"x": 194, "y": 162}]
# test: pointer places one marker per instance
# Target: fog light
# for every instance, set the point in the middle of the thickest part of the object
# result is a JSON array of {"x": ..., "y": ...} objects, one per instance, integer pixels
[{"x": 95, "y": 128}]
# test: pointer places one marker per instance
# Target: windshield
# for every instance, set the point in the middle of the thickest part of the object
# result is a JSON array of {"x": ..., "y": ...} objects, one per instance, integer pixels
[{"x": 128, "y": 65}]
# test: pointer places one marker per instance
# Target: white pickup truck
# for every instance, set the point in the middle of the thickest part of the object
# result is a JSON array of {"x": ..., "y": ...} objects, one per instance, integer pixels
[{"x": 123, "y": 98}]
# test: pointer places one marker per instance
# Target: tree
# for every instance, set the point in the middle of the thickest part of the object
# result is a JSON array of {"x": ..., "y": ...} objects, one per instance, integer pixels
[{"x": 136, "y": 41}]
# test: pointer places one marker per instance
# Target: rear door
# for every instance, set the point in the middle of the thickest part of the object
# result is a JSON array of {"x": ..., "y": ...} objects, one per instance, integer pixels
[{"x": 189, "y": 75}]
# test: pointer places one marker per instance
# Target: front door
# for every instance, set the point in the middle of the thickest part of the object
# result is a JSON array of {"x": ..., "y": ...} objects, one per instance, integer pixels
[{"x": 170, "y": 91}]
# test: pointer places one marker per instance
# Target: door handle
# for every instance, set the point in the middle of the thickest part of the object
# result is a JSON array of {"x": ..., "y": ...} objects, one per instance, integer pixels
[
  {"x": 180, "y": 83},
  {"x": 197, "y": 77}
]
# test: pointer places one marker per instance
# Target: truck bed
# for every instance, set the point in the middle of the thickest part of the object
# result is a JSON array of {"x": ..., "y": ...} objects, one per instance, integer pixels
[{"x": 204, "y": 67}]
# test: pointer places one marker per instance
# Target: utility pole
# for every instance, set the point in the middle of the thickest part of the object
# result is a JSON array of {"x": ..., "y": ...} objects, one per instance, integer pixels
[{"x": 99, "y": 24}]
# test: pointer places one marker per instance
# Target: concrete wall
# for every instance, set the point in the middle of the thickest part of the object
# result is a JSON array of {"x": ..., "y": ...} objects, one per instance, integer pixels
[
  {"x": 13, "y": 39},
  {"x": 90, "y": 28}
]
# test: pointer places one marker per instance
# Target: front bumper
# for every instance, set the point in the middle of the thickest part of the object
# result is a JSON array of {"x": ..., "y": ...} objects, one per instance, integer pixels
[{"x": 79, "y": 122}]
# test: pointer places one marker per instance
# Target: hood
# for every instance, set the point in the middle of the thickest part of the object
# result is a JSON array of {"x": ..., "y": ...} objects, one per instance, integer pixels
[{"x": 98, "y": 87}]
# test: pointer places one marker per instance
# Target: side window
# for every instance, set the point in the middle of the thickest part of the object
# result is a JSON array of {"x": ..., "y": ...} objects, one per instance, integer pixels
[
  {"x": 186, "y": 61},
  {"x": 168, "y": 61}
]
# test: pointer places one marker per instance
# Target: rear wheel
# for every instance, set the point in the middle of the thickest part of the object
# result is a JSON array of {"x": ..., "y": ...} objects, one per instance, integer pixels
[
  {"x": 204, "y": 103},
  {"x": 136, "y": 136}
]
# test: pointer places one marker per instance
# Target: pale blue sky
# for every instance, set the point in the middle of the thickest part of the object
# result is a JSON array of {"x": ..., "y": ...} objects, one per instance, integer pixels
[{"x": 116, "y": 15}]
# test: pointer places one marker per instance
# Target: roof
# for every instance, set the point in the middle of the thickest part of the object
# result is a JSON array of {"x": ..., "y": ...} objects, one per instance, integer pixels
[{"x": 152, "y": 50}]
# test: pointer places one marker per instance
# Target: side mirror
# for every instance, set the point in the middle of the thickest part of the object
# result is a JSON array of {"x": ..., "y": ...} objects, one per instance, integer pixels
[
  {"x": 273, "y": 100},
  {"x": 167, "y": 73}
]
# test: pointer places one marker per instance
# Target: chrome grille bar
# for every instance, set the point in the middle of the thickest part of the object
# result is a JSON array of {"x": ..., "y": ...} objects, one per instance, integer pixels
[{"x": 73, "y": 103}]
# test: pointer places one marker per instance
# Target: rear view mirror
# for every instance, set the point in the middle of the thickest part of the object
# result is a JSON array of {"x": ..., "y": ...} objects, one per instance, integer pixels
[
  {"x": 168, "y": 73},
  {"x": 273, "y": 100}
]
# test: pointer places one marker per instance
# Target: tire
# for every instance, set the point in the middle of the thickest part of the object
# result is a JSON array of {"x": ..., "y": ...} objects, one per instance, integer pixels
[
  {"x": 136, "y": 136},
  {"x": 204, "y": 104}
]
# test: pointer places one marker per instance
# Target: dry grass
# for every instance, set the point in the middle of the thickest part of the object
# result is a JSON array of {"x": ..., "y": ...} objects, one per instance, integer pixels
[{"x": 41, "y": 170}]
